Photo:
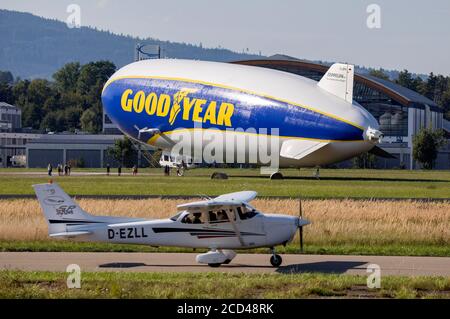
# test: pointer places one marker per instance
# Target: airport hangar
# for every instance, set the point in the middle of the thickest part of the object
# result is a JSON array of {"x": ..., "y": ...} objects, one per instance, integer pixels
[
  {"x": 401, "y": 113},
  {"x": 39, "y": 148}
]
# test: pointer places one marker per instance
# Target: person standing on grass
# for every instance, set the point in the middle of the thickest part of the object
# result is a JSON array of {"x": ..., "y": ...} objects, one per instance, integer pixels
[
  {"x": 108, "y": 168},
  {"x": 68, "y": 168},
  {"x": 49, "y": 169},
  {"x": 65, "y": 169},
  {"x": 119, "y": 170}
]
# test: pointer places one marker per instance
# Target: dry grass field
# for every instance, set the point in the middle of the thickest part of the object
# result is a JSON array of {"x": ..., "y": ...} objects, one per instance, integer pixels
[{"x": 334, "y": 222}]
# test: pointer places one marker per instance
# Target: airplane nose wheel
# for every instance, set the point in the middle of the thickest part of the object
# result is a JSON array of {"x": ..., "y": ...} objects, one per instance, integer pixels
[{"x": 275, "y": 259}]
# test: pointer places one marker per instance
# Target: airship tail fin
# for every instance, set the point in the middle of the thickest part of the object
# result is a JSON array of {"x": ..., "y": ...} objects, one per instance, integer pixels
[
  {"x": 300, "y": 149},
  {"x": 339, "y": 81}
]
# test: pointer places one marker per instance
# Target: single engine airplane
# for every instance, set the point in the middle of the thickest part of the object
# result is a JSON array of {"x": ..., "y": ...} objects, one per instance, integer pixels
[{"x": 219, "y": 224}]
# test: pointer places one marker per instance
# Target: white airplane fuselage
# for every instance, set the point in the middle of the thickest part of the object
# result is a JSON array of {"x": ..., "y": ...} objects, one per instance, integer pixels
[
  {"x": 220, "y": 224},
  {"x": 263, "y": 230},
  {"x": 162, "y": 102}
]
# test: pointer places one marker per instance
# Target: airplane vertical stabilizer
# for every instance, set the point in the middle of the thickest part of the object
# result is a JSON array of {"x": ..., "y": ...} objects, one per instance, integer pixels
[{"x": 58, "y": 207}]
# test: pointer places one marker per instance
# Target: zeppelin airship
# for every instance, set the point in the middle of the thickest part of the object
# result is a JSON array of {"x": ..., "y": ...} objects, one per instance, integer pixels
[{"x": 233, "y": 111}]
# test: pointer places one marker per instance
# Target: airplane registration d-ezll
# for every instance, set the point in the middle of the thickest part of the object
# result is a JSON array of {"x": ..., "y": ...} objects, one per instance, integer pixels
[
  {"x": 220, "y": 224},
  {"x": 159, "y": 102}
]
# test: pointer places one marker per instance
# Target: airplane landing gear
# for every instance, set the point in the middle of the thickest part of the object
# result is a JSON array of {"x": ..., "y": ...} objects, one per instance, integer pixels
[
  {"x": 275, "y": 259},
  {"x": 216, "y": 257}
]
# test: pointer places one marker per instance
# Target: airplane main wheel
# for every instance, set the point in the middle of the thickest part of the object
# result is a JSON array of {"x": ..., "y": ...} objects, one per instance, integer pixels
[
  {"x": 276, "y": 175},
  {"x": 214, "y": 265},
  {"x": 276, "y": 260}
]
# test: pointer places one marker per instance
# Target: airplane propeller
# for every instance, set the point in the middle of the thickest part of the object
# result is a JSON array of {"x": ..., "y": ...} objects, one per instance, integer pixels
[{"x": 300, "y": 226}]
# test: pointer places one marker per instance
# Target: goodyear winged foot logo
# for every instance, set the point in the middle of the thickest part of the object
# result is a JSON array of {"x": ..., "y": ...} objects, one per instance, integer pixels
[
  {"x": 178, "y": 105},
  {"x": 176, "y": 108}
]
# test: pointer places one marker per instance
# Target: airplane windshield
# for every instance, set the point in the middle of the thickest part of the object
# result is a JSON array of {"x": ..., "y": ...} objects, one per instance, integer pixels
[
  {"x": 175, "y": 217},
  {"x": 246, "y": 212}
]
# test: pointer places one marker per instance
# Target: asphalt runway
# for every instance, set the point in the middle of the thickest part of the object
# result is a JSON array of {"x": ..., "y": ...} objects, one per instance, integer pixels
[{"x": 247, "y": 263}]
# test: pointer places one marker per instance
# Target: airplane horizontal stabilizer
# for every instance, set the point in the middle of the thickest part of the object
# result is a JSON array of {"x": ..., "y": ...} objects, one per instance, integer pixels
[{"x": 298, "y": 149}]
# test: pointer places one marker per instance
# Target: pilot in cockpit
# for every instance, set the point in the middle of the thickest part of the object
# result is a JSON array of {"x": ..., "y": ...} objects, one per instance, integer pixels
[{"x": 197, "y": 219}]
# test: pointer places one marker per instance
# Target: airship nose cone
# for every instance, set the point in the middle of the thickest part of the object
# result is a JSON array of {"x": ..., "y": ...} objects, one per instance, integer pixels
[{"x": 369, "y": 123}]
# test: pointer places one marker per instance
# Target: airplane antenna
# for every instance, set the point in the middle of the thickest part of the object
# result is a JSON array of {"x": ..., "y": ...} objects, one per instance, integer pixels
[{"x": 204, "y": 197}]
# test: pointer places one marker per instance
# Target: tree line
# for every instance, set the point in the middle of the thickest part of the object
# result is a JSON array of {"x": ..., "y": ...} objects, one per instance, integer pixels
[{"x": 72, "y": 101}]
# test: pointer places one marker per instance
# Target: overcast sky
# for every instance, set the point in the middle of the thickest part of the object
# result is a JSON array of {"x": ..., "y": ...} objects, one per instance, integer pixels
[{"x": 414, "y": 34}]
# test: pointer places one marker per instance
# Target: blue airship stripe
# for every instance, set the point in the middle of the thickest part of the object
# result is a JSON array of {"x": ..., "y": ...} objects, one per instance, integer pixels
[{"x": 250, "y": 111}]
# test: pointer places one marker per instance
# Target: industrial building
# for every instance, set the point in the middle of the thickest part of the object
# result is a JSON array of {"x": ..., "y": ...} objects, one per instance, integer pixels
[
  {"x": 83, "y": 150},
  {"x": 13, "y": 138},
  {"x": 25, "y": 147}
]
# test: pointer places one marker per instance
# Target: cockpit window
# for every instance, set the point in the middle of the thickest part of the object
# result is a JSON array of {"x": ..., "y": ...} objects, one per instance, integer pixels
[
  {"x": 219, "y": 216},
  {"x": 194, "y": 218},
  {"x": 175, "y": 217},
  {"x": 246, "y": 212}
]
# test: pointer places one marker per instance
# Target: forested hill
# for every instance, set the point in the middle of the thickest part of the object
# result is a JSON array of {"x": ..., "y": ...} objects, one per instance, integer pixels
[{"x": 35, "y": 47}]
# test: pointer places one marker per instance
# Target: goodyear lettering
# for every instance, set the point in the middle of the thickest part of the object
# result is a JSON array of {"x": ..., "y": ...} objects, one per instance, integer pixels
[
  {"x": 125, "y": 102},
  {"x": 188, "y": 104},
  {"x": 180, "y": 104},
  {"x": 150, "y": 103},
  {"x": 127, "y": 233},
  {"x": 163, "y": 105},
  {"x": 139, "y": 101}
]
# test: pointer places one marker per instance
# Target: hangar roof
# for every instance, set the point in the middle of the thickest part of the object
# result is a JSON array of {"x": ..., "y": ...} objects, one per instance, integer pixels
[{"x": 397, "y": 92}]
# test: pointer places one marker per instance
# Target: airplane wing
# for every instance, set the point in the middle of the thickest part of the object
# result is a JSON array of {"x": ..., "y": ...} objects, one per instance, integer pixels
[
  {"x": 210, "y": 204},
  {"x": 298, "y": 149},
  {"x": 232, "y": 199},
  {"x": 245, "y": 196}
]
